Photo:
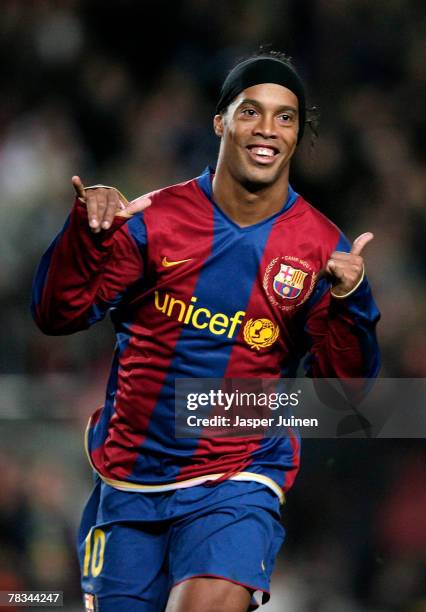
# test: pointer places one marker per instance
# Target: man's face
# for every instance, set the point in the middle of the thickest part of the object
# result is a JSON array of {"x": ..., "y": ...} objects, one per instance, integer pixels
[{"x": 259, "y": 134}]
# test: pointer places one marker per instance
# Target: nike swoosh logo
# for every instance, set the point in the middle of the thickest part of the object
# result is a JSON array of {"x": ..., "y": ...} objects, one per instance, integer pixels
[{"x": 168, "y": 264}]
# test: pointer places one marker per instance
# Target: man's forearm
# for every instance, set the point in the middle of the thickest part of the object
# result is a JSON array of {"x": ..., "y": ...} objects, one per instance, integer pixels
[
  {"x": 70, "y": 274},
  {"x": 345, "y": 343}
]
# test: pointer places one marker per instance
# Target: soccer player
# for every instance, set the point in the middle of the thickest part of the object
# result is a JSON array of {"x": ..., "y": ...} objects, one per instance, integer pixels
[{"x": 231, "y": 274}]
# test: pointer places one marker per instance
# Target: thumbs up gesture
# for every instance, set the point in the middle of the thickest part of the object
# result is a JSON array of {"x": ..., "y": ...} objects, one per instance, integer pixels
[
  {"x": 104, "y": 203},
  {"x": 346, "y": 270}
]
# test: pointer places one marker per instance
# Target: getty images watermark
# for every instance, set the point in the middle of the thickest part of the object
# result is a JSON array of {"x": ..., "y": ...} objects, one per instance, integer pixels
[
  {"x": 232, "y": 402},
  {"x": 315, "y": 408}
]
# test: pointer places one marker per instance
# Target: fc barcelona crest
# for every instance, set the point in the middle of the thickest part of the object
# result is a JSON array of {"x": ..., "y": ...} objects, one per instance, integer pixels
[
  {"x": 288, "y": 283},
  {"x": 90, "y": 603}
]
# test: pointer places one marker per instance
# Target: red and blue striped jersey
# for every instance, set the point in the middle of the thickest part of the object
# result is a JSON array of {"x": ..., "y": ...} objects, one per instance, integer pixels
[{"x": 191, "y": 294}]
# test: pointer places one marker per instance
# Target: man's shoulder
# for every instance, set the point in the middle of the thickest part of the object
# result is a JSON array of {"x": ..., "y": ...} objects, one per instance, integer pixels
[
  {"x": 183, "y": 189},
  {"x": 177, "y": 206},
  {"x": 314, "y": 217}
]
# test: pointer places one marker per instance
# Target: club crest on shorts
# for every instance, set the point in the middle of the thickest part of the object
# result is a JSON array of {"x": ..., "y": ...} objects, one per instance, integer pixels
[
  {"x": 90, "y": 602},
  {"x": 288, "y": 281}
]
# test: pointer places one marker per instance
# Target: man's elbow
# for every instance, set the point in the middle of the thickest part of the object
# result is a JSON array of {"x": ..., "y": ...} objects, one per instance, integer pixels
[{"x": 55, "y": 326}]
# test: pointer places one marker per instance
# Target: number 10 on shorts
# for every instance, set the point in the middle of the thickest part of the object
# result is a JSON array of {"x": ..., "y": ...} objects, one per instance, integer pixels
[{"x": 94, "y": 552}]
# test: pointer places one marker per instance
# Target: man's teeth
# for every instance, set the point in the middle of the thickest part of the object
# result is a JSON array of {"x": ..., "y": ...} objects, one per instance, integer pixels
[{"x": 263, "y": 151}]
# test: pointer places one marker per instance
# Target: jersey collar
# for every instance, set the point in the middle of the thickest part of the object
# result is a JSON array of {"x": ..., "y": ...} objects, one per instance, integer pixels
[{"x": 205, "y": 183}]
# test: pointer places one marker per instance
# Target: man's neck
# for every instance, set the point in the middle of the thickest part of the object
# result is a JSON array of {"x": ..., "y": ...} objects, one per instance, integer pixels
[{"x": 246, "y": 206}]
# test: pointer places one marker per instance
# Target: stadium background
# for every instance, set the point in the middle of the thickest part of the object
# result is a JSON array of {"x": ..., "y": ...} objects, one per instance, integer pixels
[{"x": 122, "y": 92}]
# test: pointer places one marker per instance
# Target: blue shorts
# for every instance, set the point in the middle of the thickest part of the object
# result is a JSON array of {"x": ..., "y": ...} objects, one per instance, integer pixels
[{"x": 134, "y": 547}]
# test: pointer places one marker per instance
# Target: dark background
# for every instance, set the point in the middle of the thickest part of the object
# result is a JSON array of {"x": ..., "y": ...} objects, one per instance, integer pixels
[{"x": 123, "y": 93}]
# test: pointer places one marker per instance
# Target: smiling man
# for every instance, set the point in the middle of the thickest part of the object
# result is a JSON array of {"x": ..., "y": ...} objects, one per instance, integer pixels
[
  {"x": 260, "y": 124},
  {"x": 259, "y": 132},
  {"x": 232, "y": 274}
]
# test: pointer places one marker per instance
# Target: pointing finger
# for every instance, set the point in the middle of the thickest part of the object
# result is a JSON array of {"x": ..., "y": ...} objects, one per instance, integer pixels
[
  {"x": 360, "y": 242},
  {"x": 134, "y": 207},
  {"x": 78, "y": 186}
]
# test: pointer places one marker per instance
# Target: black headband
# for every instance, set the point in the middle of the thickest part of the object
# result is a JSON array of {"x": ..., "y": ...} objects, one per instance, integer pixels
[{"x": 257, "y": 70}]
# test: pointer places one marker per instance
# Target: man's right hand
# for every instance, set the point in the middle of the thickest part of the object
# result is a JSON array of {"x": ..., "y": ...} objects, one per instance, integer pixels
[{"x": 103, "y": 204}]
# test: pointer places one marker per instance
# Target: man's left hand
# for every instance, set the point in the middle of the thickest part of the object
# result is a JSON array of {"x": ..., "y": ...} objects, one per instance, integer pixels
[{"x": 347, "y": 269}]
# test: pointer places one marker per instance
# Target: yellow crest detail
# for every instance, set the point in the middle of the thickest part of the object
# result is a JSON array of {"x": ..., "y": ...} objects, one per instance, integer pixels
[{"x": 260, "y": 333}]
